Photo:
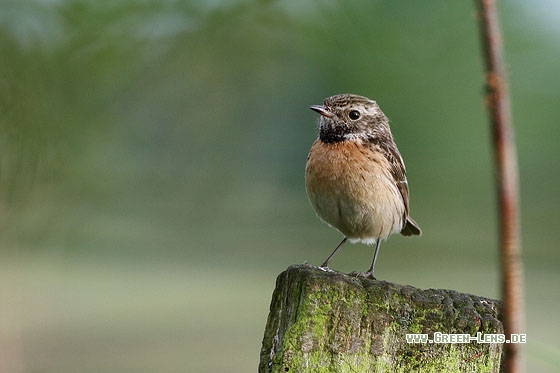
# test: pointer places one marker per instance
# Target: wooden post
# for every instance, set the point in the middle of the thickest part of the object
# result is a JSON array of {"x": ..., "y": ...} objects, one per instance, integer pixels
[{"x": 326, "y": 321}]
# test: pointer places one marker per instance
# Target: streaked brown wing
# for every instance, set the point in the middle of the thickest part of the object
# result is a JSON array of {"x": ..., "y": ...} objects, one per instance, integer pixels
[{"x": 397, "y": 169}]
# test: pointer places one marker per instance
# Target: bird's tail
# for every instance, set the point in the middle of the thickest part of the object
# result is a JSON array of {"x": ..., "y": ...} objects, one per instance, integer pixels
[{"x": 411, "y": 228}]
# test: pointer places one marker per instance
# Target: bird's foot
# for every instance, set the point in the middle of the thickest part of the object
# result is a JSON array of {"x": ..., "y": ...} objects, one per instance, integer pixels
[
  {"x": 325, "y": 268},
  {"x": 368, "y": 275}
]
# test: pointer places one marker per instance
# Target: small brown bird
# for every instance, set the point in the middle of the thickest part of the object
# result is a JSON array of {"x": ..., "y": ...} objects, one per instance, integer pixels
[{"x": 355, "y": 176}]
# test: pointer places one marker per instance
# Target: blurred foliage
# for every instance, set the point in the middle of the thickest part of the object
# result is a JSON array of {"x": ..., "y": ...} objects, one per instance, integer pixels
[{"x": 170, "y": 137}]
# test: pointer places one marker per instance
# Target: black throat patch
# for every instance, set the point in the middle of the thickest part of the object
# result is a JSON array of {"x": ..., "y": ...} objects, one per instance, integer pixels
[{"x": 329, "y": 134}]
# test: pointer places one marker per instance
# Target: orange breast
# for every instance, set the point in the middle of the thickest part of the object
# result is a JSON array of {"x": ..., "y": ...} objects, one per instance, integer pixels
[{"x": 350, "y": 187}]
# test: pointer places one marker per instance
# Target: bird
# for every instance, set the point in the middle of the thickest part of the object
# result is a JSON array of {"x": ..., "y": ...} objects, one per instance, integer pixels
[{"x": 355, "y": 176}]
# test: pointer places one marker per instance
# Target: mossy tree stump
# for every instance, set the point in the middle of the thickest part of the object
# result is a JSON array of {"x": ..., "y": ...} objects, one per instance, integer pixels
[{"x": 326, "y": 321}]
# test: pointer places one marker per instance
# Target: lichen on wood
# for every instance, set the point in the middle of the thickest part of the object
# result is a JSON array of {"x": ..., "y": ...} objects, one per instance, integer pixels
[{"x": 326, "y": 321}]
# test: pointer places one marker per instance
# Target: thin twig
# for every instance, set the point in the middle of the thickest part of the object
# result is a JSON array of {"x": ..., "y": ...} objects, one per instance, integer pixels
[{"x": 498, "y": 104}]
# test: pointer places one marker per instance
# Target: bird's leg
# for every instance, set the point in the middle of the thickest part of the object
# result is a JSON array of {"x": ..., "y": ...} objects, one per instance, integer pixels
[
  {"x": 369, "y": 273},
  {"x": 326, "y": 263}
]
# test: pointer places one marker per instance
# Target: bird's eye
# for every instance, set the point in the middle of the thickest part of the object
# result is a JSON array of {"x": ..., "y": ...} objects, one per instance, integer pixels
[{"x": 354, "y": 114}]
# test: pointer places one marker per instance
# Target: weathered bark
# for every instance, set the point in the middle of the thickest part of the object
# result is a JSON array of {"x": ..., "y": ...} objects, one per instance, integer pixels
[{"x": 326, "y": 321}]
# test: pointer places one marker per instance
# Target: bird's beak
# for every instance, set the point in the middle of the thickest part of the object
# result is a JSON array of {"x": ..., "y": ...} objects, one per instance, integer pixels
[{"x": 322, "y": 110}]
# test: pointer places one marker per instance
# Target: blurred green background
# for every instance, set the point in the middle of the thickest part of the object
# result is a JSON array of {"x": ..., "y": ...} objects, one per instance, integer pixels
[{"x": 152, "y": 157}]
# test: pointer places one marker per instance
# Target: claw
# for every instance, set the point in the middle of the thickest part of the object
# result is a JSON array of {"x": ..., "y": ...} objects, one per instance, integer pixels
[{"x": 368, "y": 275}]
